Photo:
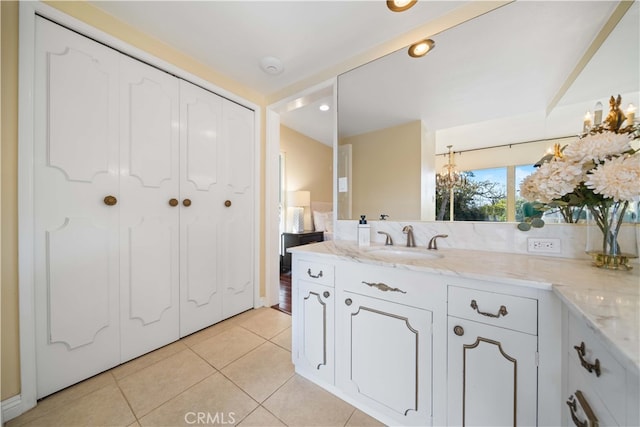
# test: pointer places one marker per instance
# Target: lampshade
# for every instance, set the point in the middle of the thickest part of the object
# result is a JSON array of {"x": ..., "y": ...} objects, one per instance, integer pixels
[{"x": 298, "y": 198}]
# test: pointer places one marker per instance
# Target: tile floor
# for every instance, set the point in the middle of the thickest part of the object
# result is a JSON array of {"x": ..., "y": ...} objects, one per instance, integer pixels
[{"x": 237, "y": 372}]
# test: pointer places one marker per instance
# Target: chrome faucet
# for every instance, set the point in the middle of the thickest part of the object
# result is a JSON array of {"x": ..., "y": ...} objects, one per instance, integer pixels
[
  {"x": 408, "y": 230},
  {"x": 433, "y": 243},
  {"x": 389, "y": 240}
]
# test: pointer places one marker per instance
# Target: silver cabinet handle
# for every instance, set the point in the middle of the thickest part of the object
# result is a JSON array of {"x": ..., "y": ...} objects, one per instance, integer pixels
[
  {"x": 502, "y": 312},
  {"x": 458, "y": 330},
  {"x": 348, "y": 301},
  {"x": 326, "y": 294},
  {"x": 317, "y": 276},
  {"x": 591, "y": 421},
  {"x": 591, "y": 367},
  {"x": 383, "y": 287}
]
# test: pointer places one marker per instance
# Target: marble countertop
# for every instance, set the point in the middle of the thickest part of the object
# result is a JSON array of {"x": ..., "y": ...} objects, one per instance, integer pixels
[{"x": 609, "y": 301}]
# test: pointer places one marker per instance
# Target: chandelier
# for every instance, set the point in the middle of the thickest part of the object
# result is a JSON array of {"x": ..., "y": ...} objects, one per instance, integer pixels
[{"x": 450, "y": 177}]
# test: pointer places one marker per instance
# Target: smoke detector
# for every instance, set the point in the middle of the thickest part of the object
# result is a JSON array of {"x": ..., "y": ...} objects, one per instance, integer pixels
[{"x": 271, "y": 65}]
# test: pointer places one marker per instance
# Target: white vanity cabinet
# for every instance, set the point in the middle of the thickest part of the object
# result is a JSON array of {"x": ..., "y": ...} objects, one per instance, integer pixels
[
  {"x": 600, "y": 390},
  {"x": 313, "y": 300},
  {"x": 385, "y": 343},
  {"x": 492, "y": 354}
]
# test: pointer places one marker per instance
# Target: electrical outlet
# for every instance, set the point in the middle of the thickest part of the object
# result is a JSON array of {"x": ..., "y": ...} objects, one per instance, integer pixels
[{"x": 547, "y": 246}]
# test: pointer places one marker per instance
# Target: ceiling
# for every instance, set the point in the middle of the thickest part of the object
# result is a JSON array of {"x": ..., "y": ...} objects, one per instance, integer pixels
[{"x": 311, "y": 37}]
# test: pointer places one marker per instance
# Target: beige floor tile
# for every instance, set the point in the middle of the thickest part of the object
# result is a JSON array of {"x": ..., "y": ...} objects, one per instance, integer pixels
[
  {"x": 207, "y": 333},
  {"x": 301, "y": 403},
  {"x": 268, "y": 323},
  {"x": 147, "y": 360},
  {"x": 262, "y": 371},
  {"x": 227, "y": 346},
  {"x": 283, "y": 339},
  {"x": 104, "y": 407},
  {"x": 136, "y": 424},
  {"x": 64, "y": 397},
  {"x": 216, "y": 400},
  {"x": 239, "y": 318},
  {"x": 152, "y": 386},
  {"x": 261, "y": 418},
  {"x": 360, "y": 419}
]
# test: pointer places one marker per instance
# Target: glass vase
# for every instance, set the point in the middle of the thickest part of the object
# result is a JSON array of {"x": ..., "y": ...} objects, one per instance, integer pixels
[{"x": 611, "y": 236}]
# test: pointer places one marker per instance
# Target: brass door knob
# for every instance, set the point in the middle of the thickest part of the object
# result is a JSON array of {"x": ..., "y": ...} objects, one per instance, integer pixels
[
  {"x": 110, "y": 200},
  {"x": 227, "y": 203},
  {"x": 173, "y": 202},
  {"x": 186, "y": 202}
]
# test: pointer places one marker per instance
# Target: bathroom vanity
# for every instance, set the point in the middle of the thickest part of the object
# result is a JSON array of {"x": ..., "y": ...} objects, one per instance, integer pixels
[{"x": 459, "y": 337}]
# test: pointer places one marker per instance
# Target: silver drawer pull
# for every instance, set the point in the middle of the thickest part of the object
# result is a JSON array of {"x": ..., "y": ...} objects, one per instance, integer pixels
[
  {"x": 591, "y": 421},
  {"x": 502, "y": 312},
  {"x": 348, "y": 301},
  {"x": 591, "y": 367},
  {"x": 317, "y": 276},
  {"x": 326, "y": 294},
  {"x": 383, "y": 287}
]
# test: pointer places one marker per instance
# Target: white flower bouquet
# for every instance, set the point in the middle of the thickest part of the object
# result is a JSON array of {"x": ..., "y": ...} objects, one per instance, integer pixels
[{"x": 600, "y": 171}]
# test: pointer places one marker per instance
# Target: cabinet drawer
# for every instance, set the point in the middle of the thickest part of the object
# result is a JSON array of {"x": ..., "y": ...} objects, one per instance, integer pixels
[
  {"x": 315, "y": 272},
  {"x": 588, "y": 406},
  {"x": 505, "y": 311},
  {"x": 410, "y": 288},
  {"x": 610, "y": 385}
]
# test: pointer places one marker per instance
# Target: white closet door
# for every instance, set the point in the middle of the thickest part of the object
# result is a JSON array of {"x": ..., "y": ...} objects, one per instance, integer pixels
[
  {"x": 236, "y": 220},
  {"x": 200, "y": 184},
  {"x": 149, "y": 234},
  {"x": 76, "y": 237}
]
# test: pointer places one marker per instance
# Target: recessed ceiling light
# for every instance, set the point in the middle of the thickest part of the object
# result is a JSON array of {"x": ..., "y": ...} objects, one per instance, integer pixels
[
  {"x": 421, "y": 48},
  {"x": 400, "y": 5},
  {"x": 324, "y": 107},
  {"x": 271, "y": 65}
]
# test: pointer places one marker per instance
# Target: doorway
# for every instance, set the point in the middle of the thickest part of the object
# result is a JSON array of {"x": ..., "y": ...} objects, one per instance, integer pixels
[{"x": 292, "y": 112}]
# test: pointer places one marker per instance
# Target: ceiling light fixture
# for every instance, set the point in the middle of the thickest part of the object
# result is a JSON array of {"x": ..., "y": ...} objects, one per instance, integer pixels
[
  {"x": 400, "y": 5},
  {"x": 324, "y": 107},
  {"x": 421, "y": 48},
  {"x": 271, "y": 65}
]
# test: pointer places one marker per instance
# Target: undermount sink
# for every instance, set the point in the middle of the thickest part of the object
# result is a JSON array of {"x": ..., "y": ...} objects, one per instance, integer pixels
[{"x": 400, "y": 253}]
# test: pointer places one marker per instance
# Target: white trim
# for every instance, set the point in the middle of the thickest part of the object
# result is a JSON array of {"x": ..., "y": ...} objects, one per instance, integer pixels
[
  {"x": 11, "y": 408},
  {"x": 272, "y": 177},
  {"x": 27, "y": 18}
]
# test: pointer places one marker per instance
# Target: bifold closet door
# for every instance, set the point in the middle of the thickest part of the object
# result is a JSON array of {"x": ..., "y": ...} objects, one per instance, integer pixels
[
  {"x": 236, "y": 219},
  {"x": 201, "y": 203},
  {"x": 149, "y": 212},
  {"x": 76, "y": 201}
]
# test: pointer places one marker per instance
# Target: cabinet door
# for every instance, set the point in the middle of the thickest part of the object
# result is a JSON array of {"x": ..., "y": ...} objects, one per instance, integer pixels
[
  {"x": 75, "y": 232},
  {"x": 314, "y": 342},
  {"x": 149, "y": 250},
  {"x": 492, "y": 375},
  {"x": 202, "y": 189},
  {"x": 384, "y": 357},
  {"x": 236, "y": 223}
]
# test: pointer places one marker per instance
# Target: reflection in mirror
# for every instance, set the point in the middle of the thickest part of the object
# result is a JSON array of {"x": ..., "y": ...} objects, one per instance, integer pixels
[{"x": 501, "y": 89}]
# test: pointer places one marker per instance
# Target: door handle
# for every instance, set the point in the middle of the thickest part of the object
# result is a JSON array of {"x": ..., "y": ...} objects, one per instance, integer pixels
[
  {"x": 186, "y": 202},
  {"x": 227, "y": 203},
  {"x": 173, "y": 202}
]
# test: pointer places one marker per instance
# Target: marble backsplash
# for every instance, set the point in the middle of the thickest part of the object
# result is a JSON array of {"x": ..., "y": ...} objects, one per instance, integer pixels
[{"x": 484, "y": 236}]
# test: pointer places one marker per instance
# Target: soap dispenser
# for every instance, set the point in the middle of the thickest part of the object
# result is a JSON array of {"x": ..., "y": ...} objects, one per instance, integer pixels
[{"x": 364, "y": 232}]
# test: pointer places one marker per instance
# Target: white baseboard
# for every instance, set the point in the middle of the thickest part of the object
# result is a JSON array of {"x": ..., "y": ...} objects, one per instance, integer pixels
[{"x": 11, "y": 408}]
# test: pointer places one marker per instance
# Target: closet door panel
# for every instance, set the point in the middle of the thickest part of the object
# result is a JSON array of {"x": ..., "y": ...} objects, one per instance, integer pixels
[
  {"x": 149, "y": 116},
  {"x": 236, "y": 220},
  {"x": 75, "y": 232},
  {"x": 200, "y": 266}
]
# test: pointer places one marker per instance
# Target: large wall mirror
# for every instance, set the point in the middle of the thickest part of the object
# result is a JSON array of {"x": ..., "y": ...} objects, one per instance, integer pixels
[{"x": 500, "y": 89}]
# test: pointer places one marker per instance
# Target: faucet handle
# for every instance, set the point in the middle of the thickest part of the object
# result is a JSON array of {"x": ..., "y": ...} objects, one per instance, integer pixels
[
  {"x": 407, "y": 228},
  {"x": 433, "y": 242},
  {"x": 389, "y": 240}
]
